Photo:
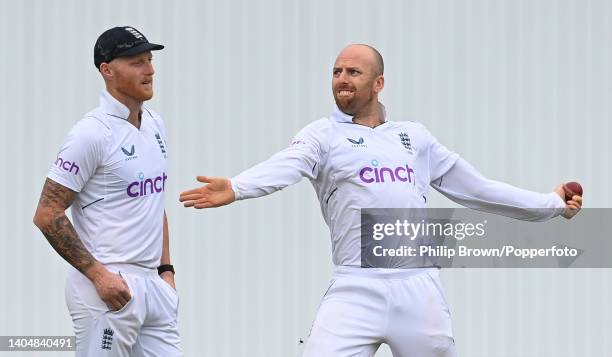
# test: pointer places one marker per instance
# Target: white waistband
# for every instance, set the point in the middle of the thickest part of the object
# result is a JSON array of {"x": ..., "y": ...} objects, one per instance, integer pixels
[
  {"x": 131, "y": 269},
  {"x": 381, "y": 273}
]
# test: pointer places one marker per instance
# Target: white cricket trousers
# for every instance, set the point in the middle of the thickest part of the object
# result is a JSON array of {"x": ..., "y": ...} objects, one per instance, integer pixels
[
  {"x": 146, "y": 326},
  {"x": 363, "y": 308}
]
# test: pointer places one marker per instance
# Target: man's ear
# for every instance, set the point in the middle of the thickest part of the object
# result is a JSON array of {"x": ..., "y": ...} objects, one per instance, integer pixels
[
  {"x": 379, "y": 84},
  {"x": 105, "y": 70}
]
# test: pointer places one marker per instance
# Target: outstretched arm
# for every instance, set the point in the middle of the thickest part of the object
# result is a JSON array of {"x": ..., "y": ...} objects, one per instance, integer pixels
[
  {"x": 50, "y": 218},
  {"x": 302, "y": 158},
  {"x": 281, "y": 170},
  {"x": 466, "y": 186}
]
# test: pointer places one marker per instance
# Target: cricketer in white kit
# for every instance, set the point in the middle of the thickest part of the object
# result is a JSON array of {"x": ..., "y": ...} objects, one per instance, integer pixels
[
  {"x": 112, "y": 172},
  {"x": 357, "y": 158}
]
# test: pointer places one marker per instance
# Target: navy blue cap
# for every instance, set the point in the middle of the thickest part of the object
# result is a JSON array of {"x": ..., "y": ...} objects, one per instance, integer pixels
[{"x": 119, "y": 42}]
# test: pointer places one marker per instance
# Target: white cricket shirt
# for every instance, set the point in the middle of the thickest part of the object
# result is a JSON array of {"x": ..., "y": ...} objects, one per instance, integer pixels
[
  {"x": 352, "y": 166},
  {"x": 120, "y": 175}
]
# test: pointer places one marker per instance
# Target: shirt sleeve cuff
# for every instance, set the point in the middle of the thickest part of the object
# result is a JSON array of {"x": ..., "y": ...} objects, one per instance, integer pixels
[
  {"x": 237, "y": 195},
  {"x": 558, "y": 203},
  {"x": 63, "y": 182}
]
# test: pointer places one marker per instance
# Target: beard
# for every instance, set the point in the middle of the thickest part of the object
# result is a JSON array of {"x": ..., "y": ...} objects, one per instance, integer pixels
[
  {"x": 139, "y": 92},
  {"x": 345, "y": 104},
  {"x": 134, "y": 88},
  {"x": 351, "y": 105}
]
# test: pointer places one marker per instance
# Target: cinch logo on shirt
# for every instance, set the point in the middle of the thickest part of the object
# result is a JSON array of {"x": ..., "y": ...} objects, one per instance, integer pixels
[
  {"x": 67, "y": 165},
  {"x": 377, "y": 174},
  {"x": 147, "y": 186}
]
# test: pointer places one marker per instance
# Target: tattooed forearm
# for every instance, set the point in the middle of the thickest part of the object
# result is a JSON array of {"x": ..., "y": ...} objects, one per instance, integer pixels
[
  {"x": 64, "y": 239},
  {"x": 50, "y": 217}
]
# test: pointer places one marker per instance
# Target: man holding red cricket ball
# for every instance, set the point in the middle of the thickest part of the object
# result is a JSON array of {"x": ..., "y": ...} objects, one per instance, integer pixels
[
  {"x": 573, "y": 198},
  {"x": 358, "y": 158}
]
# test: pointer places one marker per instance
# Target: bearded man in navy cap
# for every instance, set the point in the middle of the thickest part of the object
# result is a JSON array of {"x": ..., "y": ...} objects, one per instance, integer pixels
[{"x": 112, "y": 172}]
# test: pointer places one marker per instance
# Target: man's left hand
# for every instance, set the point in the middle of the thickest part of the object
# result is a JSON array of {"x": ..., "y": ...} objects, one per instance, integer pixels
[
  {"x": 573, "y": 206},
  {"x": 168, "y": 277}
]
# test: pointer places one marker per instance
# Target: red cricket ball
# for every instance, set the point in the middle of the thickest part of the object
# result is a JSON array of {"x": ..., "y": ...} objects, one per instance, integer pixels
[{"x": 571, "y": 189}]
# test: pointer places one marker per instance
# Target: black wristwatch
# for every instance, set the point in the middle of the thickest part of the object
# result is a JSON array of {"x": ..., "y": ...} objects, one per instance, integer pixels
[{"x": 164, "y": 268}]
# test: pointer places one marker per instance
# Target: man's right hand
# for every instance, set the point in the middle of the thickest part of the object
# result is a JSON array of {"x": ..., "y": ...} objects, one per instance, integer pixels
[
  {"x": 217, "y": 192},
  {"x": 111, "y": 287}
]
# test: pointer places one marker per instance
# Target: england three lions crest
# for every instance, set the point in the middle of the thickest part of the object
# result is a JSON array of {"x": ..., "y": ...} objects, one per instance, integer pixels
[{"x": 405, "y": 139}]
